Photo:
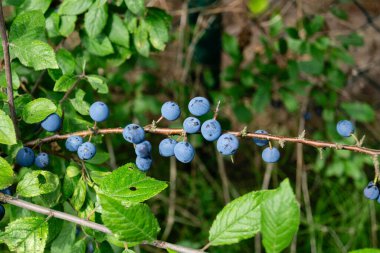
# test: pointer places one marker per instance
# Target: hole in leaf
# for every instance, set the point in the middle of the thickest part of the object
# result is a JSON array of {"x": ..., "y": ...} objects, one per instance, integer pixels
[
  {"x": 41, "y": 179},
  {"x": 132, "y": 188}
]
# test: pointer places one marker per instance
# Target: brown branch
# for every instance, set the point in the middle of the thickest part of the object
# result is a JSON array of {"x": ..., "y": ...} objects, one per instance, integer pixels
[
  {"x": 8, "y": 71},
  {"x": 96, "y": 226},
  {"x": 179, "y": 131}
]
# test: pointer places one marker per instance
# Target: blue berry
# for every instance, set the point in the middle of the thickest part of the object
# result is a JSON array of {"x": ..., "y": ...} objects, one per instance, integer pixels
[
  {"x": 73, "y": 142},
  {"x": 134, "y": 133},
  {"x": 7, "y": 191},
  {"x": 227, "y": 144},
  {"x": 184, "y": 152},
  {"x": 166, "y": 147},
  {"x": 170, "y": 111},
  {"x": 270, "y": 155},
  {"x": 143, "y": 163},
  {"x": 345, "y": 128},
  {"x": 371, "y": 191},
  {"x": 99, "y": 111},
  {"x": 42, "y": 160},
  {"x": 143, "y": 149},
  {"x": 199, "y": 106},
  {"x": 260, "y": 142},
  {"x": 52, "y": 123},
  {"x": 191, "y": 125},
  {"x": 25, "y": 157},
  {"x": 86, "y": 151},
  {"x": 211, "y": 130},
  {"x": 2, "y": 212}
]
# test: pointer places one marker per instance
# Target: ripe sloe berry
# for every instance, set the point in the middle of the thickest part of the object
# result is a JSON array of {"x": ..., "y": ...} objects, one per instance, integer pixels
[
  {"x": 170, "y": 111},
  {"x": 371, "y": 191},
  {"x": 134, "y": 133},
  {"x": 86, "y": 151},
  {"x": 191, "y": 125},
  {"x": 73, "y": 142},
  {"x": 25, "y": 157},
  {"x": 143, "y": 149},
  {"x": 199, "y": 106},
  {"x": 227, "y": 144},
  {"x": 2, "y": 212},
  {"x": 42, "y": 160},
  {"x": 270, "y": 155},
  {"x": 260, "y": 142},
  {"x": 99, "y": 111},
  {"x": 52, "y": 123},
  {"x": 345, "y": 128},
  {"x": 211, "y": 130},
  {"x": 143, "y": 163},
  {"x": 166, "y": 147},
  {"x": 184, "y": 152}
]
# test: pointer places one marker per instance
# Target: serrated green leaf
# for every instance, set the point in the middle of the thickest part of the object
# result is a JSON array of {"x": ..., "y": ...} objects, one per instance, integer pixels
[
  {"x": 238, "y": 220},
  {"x": 52, "y": 25},
  {"x": 36, "y": 183},
  {"x": 362, "y": 112},
  {"x": 64, "y": 83},
  {"x": 67, "y": 25},
  {"x": 7, "y": 130},
  {"x": 66, "y": 61},
  {"x": 35, "y": 53},
  {"x": 74, "y": 7},
  {"x": 28, "y": 26},
  {"x": 135, "y": 6},
  {"x": 132, "y": 224},
  {"x": 96, "y": 18},
  {"x": 100, "y": 46},
  {"x": 119, "y": 33},
  {"x": 65, "y": 240},
  {"x": 280, "y": 218},
  {"x": 26, "y": 235},
  {"x": 129, "y": 185},
  {"x": 141, "y": 40},
  {"x": 15, "y": 80},
  {"x": 79, "y": 104},
  {"x": 37, "y": 110},
  {"x": 39, "y": 5},
  {"x": 79, "y": 247},
  {"x": 6, "y": 173},
  {"x": 157, "y": 30},
  {"x": 79, "y": 195},
  {"x": 97, "y": 83},
  {"x": 21, "y": 102}
]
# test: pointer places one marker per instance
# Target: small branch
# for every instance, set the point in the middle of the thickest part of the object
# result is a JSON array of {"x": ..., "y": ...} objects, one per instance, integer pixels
[
  {"x": 172, "y": 197},
  {"x": 99, "y": 227},
  {"x": 8, "y": 71},
  {"x": 68, "y": 92},
  {"x": 179, "y": 131}
]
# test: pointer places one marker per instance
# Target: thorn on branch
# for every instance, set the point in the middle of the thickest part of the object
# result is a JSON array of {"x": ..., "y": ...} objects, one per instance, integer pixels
[
  {"x": 338, "y": 146},
  {"x": 320, "y": 153},
  {"x": 302, "y": 135},
  {"x": 244, "y": 132},
  {"x": 377, "y": 169},
  {"x": 282, "y": 143}
]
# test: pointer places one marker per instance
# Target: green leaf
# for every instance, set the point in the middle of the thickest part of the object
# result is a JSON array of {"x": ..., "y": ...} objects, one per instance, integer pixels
[
  {"x": 314, "y": 25},
  {"x": 119, "y": 33},
  {"x": 352, "y": 39},
  {"x": 339, "y": 13},
  {"x": 132, "y": 224},
  {"x": 26, "y": 235},
  {"x": 258, "y": 6},
  {"x": 79, "y": 247},
  {"x": 28, "y": 26},
  {"x": 290, "y": 101},
  {"x": 7, "y": 130},
  {"x": 74, "y": 7},
  {"x": 158, "y": 31},
  {"x": 35, "y": 53},
  {"x": 66, "y": 61},
  {"x": 37, "y": 110},
  {"x": 64, "y": 83},
  {"x": 129, "y": 185},
  {"x": 313, "y": 67},
  {"x": 231, "y": 46},
  {"x": 79, "y": 104},
  {"x": 261, "y": 98},
  {"x": 67, "y": 25},
  {"x": 140, "y": 39},
  {"x": 6, "y": 173},
  {"x": 39, "y": 5},
  {"x": 99, "y": 158},
  {"x": 365, "y": 251},
  {"x": 37, "y": 182},
  {"x": 362, "y": 112},
  {"x": 79, "y": 195},
  {"x": 96, "y": 18},
  {"x": 135, "y": 6},
  {"x": 52, "y": 25},
  {"x": 280, "y": 217},
  {"x": 100, "y": 46},
  {"x": 98, "y": 83},
  {"x": 65, "y": 239},
  {"x": 238, "y": 220}
]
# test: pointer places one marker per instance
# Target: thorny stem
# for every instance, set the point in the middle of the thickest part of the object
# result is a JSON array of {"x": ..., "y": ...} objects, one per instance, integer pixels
[
  {"x": 8, "y": 71},
  {"x": 96, "y": 226}
]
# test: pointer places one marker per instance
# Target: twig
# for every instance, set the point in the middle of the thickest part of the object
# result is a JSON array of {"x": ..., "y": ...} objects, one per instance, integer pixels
[
  {"x": 99, "y": 227},
  {"x": 172, "y": 197},
  {"x": 68, "y": 92},
  {"x": 309, "y": 213},
  {"x": 179, "y": 131},
  {"x": 8, "y": 70},
  {"x": 223, "y": 177}
]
